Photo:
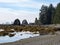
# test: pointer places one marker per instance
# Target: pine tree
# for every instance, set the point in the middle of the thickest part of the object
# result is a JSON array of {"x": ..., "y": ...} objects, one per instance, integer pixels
[
  {"x": 57, "y": 15},
  {"x": 36, "y": 21},
  {"x": 43, "y": 14},
  {"x": 51, "y": 14}
]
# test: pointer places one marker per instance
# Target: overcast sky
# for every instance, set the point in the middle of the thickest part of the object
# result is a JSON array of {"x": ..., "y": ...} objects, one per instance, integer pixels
[{"x": 22, "y": 9}]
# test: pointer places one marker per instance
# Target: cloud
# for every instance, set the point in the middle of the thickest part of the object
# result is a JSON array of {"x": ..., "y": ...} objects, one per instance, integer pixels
[
  {"x": 24, "y": 4},
  {"x": 13, "y": 1},
  {"x": 22, "y": 9},
  {"x": 9, "y": 15}
]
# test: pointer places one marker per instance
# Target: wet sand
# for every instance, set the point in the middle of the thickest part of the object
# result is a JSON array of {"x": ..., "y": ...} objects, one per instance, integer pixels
[{"x": 40, "y": 40}]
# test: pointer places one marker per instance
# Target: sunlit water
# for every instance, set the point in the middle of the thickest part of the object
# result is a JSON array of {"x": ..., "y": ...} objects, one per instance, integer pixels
[{"x": 18, "y": 36}]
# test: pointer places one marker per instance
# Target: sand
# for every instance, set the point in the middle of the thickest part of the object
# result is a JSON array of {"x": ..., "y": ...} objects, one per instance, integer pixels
[{"x": 40, "y": 40}]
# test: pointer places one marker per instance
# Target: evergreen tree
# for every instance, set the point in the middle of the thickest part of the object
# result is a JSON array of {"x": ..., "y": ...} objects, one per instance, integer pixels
[
  {"x": 36, "y": 21},
  {"x": 47, "y": 14},
  {"x": 51, "y": 14},
  {"x": 43, "y": 15},
  {"x": 57, "y": 15}
]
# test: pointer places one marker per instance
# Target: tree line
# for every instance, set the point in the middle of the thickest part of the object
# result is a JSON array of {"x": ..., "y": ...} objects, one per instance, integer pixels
[{"x": 48, "y": 15}]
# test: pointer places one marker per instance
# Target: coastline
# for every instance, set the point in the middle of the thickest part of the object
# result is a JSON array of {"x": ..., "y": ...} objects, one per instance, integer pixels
[{"x": 40, "y": 40}]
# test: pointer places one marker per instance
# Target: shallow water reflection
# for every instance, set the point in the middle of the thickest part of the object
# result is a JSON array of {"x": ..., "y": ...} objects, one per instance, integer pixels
[{"x": 16, "y": 36}]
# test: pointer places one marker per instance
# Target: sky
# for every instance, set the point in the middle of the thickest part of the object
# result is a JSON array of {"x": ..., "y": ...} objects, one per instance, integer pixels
[{"x": 22, "y": 9}]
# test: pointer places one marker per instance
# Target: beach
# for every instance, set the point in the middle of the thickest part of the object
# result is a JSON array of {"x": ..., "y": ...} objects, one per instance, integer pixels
[{"x": 39, "y": 40}]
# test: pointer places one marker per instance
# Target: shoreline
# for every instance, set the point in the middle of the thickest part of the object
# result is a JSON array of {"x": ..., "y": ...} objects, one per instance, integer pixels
[{"x": 36, "y": 40}]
